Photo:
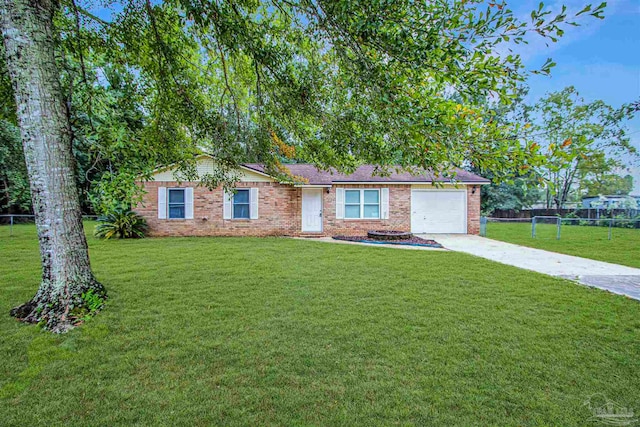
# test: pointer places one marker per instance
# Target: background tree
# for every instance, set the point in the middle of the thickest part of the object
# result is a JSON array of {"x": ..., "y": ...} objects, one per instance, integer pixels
[
  {"x": 606, "y": 183},
  {"x": 335, "y": 83},
  {"x": 14, "y": 183},
  {"x": 578, "y": 139},
  {"x": 517, "y": 194}
]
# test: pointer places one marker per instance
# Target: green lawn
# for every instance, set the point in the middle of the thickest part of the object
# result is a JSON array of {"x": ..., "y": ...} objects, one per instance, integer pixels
[
  {"x": 244, "y": 331},
  {"x": 588, "y": 242}
]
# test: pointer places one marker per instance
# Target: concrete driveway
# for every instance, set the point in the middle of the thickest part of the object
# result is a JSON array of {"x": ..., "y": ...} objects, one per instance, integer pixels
[{"x": 612, "y": 277}]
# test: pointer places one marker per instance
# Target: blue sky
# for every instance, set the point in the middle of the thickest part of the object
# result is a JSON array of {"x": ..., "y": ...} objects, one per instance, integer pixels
[{"x": 601, "y": 58}]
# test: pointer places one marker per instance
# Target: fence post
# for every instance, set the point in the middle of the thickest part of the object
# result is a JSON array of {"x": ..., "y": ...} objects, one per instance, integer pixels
[
  {"x": 11, "y": 225},
  {"x": 533, "y": 227},
  {"x": 559, "y": 225},
  {"x": 483, "y": 226},
  {"x": 610, "y": 227}
]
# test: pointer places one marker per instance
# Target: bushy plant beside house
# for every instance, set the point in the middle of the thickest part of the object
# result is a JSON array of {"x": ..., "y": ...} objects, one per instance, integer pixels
[{"x": 121, "y": 223}]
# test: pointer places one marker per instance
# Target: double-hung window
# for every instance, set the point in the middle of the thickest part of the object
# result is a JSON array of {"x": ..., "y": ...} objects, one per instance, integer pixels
[
  {"x": 241, "y": 204},
  {"x": 176, "y": 203},
  {"x": 362, "y": 204}
]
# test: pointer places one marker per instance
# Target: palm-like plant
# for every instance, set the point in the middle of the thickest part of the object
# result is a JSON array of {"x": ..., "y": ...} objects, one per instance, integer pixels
[{"x": 122, "y": 223}]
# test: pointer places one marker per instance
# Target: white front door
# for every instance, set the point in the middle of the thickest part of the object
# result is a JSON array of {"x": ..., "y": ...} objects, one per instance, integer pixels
[
  {"x": 438, "y": 211},
  {"x": 312, "y": 210}
]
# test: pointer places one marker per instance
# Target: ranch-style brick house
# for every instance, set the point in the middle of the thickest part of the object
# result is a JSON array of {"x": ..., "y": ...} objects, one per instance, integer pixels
[{"x": 330, "y": 204}]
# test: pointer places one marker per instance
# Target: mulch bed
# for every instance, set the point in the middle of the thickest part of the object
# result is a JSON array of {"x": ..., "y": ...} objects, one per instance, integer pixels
[
  {"x": 413, "y": 241},
  {"x": 388, "y": 235}
]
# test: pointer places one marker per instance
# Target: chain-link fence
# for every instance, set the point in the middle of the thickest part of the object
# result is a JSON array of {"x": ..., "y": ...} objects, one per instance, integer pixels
[
  {"x": 610, "y": 224},
  {"x": 10, "y": 220},
  {"x": 555, "y": 227},
  {"x": 486, "y": 228}
]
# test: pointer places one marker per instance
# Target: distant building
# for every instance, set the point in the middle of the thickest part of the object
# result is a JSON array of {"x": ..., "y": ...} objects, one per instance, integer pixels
[{"x": 609, "y": 202}]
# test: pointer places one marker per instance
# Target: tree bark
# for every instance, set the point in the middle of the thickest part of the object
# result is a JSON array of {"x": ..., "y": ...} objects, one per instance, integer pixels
[{"x": 27, "y": 29}]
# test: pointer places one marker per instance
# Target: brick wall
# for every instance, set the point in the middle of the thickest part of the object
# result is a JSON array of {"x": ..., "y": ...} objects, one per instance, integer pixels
[
  {"x": 280, "y": 208},
  {"x": 473, "y": 210}
]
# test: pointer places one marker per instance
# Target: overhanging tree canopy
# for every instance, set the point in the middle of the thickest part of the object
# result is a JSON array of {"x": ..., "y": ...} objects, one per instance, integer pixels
[{"x": 341, "y": 82}]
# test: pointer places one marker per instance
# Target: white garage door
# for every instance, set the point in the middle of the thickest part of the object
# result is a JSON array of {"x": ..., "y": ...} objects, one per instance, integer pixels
[{"x": 438, "y": 211}]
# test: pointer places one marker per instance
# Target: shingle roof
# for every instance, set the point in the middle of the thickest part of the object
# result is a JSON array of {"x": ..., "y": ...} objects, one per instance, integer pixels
[{"x": 366, "y": 173}]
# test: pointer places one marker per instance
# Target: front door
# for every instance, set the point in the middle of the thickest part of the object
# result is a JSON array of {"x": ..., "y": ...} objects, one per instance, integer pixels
[{"x": 312, "y": 210}]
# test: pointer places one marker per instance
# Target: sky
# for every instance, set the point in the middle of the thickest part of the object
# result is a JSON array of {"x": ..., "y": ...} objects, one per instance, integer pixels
[{"x": 601, "y": 59}]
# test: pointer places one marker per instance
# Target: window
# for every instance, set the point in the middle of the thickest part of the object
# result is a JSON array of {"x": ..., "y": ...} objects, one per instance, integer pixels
[
  {"x": 241, "y": 204},
  {"x": 362, "y": 204},
  {"x": 352, "y": 204},
  {"x": 371, "y": 204},
  {"x": 176, "y": 203}
]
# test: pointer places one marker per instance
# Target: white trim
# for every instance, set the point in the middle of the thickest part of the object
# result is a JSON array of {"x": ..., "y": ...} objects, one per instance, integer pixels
[
  {"x": 253, "y": 203},
  {"x": 227, "y": 204},
  {"x": 466, "y": 203},
  {"x": 254, "y": 171},
  {"x": 340, "y": 203},
  {"x": 162, "y": 203},
  {"x": 312, "y": 186},
  {"x": 384, "y": 203},
  {"x": 188, "y": 203}
]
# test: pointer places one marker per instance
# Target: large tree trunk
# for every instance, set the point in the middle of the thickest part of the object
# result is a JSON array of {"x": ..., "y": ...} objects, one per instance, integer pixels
[{"x": 46, "y": 138}]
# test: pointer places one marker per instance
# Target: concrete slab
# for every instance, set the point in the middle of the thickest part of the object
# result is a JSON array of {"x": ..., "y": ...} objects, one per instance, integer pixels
[
  {"x": 612, "y": 277},
  {"x": 623, "y": 285}
]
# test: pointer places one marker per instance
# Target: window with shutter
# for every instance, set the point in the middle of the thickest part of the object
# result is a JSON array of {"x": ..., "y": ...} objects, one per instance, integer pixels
[
  {"x": 241, "y": 204},
  {"x": 362, "y": 204},
  {"x": 176, "y": 203}
]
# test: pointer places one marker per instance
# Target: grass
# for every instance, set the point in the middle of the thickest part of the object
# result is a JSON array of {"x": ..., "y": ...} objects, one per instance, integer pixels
[
  {"x": 243, "y": 331},
  {"x": 583, "y": 241}
]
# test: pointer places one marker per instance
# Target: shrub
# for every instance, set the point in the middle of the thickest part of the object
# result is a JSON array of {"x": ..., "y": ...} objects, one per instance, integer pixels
[
  {"x": 622, "y": 221},
  {"x": 122, "y": 223}
]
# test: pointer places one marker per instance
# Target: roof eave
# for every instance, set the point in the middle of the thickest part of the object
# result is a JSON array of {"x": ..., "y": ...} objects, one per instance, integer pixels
[{"x": 414, "y": 182}]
